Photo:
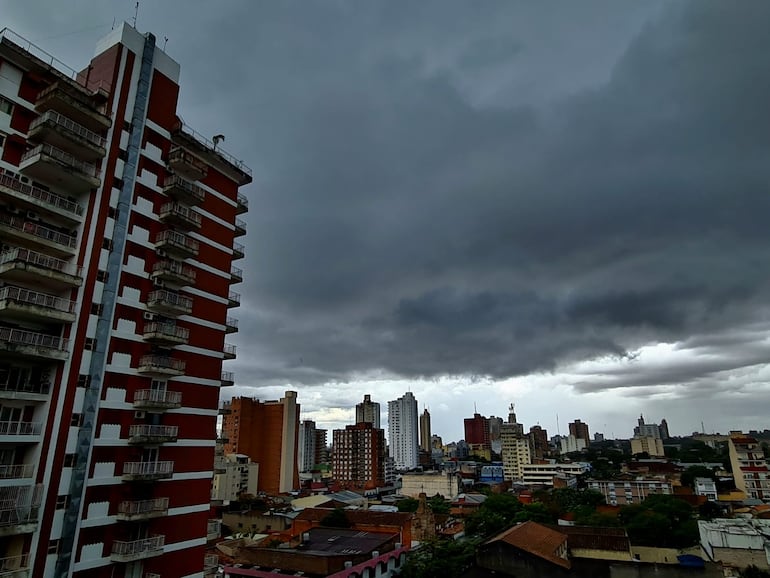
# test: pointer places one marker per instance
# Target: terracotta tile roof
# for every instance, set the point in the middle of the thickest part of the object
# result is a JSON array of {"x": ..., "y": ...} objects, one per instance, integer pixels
[
  {"x": 535, "y": 539},
  {"x": 595, "y": 538}
]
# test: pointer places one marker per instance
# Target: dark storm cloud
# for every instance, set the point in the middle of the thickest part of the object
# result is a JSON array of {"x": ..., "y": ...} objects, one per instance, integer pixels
[{"x": 492, "y": 189}]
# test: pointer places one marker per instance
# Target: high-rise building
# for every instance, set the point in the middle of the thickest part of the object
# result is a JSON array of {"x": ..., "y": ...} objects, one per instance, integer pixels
[
  {"x": 118, "y": 227},
  {"x": 650, "y": 430},
  {"x": 538, "y": 442},
  {"x": 306, "y": 447},
  {"x": 494, "y": 434},
  {"x": 425, "y": 435},
  {"x": 580, "y": 430},
  {"x": 403, "y": 432},
  {"x": 664, "y": 429},
  {"x": 358, "y": 456},
  {"x": 750, "y": 468},
  {"x": 267, "y": 432},
  {"x": 515, "y": 447},
  {"x": 368, "y": 411},
  {"x": 652, "y": 446},
  {"x": 477, "y": 431}
]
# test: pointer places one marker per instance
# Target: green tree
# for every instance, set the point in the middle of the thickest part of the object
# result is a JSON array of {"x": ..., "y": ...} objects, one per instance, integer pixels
[
  {"x": 336, "y": 519},
  {"x": 408, "y": 505},
  {"x": 661, "y": 520},
  {"x": 689, "y": 475},
  {"x": 439, "y": 559},
  {"x": 753, "y": 572},
  {"x": 438, "y": 504}
]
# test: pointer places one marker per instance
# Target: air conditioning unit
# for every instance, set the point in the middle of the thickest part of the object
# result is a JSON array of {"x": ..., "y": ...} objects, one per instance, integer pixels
[
  {"x": 13, "y": 210},
  {"x": 149, "y": 316},
  {"x": 139, "y": 415},
  {"x": 161, "y": 253},
  {"x": 33, "y": 216},
  {"x": 158, "y": 283},
  {"x": 24, "y": 180}
]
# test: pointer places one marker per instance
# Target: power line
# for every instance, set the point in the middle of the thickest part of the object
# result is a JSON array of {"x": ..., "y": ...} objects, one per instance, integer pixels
[{"x": 72, "y": 32}]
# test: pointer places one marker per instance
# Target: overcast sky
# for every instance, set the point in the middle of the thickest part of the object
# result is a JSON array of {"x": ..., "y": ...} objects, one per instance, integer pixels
[{"x": 559, "y": 204}]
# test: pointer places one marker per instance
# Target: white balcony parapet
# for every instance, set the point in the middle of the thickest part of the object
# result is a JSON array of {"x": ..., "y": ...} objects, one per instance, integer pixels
[
  {"x": 183, "y": 213},
  {"x": 210, "y": 561},
  {"x": 163, "y": 396},
  {"x": 140, "y": 432},
  {"x": 170, "y": 330},
  {"x": 137, "y": 549},
  {"x": 143, "y": 508},
  {"x": 148, "y": 470},
  {"x": 56, "y": 201},
  {"x": 20, "y": 428},
  {"x": 69, "y": 124},
  {"x": 28, "y": 297},
  {"x": 20, "y": 504},
  {"x": 20, "y": 254},
  {"x": 61, "y": 156},
  {"x": 12, "y": 565},
  {"x": 21, "y": 337},
  {"x": 16, "y": 471}
]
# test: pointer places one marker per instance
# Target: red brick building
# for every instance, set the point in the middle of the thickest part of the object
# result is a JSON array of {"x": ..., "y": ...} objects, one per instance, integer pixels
[
  {"x": 477, "y": 431},
  {"x": 358, "y": 456}
]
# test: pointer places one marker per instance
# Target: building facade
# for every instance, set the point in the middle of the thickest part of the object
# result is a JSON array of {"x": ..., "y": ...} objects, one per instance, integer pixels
[
  {"x": 625, "y": 492},
  {"x": 236, "y": 475},
  {"x": 358, "y": 456},
  {"x": 515, "y": 447},
  {"x": 652, "y": 446},
  {"x": 749, "y": 466},
  {"x": 425, "y": 435},
  {"x": 118, "y": 227},
  {"x": 312, "y": 442},
  {"x": 538, "y": 442},
  {"x": 403, "y": 433},
  {"x": 579, "y": 429},
  {"x": 477, "y": 432},
  {"x": 267, "y": 432},
  {"x": 368, "y": 411}
]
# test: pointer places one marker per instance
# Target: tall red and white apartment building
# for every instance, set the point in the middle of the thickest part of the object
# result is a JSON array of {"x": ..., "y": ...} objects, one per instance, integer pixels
[{"x": 119, "y": 232}]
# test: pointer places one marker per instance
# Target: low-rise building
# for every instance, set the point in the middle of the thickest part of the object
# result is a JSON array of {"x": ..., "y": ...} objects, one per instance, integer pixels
[
  {"x": 706, "y": 487},
  {"x": 624, "y": 492},
  {"x": 650, "y": 445},
  {"x": 235, "y": 476},
  {"x": 430, "y": 483},
  {"x": 543, "y": 474},
  {"x": 736, "y": 542}
]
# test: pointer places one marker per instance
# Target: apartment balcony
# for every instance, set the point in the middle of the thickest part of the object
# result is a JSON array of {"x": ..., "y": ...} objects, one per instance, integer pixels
[
  {"x": 24, "y": 304},
  {"x": 229, "y": 351},
  {"x": 151, "y": 575},
  {"x": 233, "y": 299},
  {"x": 242, "y": 204},
  {"x": 28, "y": 232},
  {"x": 183, "y": 191},
  {"x": 66, "y": 134},
  {"x": 15, "y": 567},
  {"x": 25, "y": 391},
  {"x": 176, "y": 214},
  {"x": 73, "y": 103},
  {"x": 225, "y": 408},
  {"x": 136, "y": 510},
  {"x": 157, "y": 399},
  {"x": 186, "y": 164},
  {"x": 165, "y": 334},
  {"x": 35, "y": 198},
  {"x": 240, "y": 227},
  {"x": 49, "y": 164},
  {"x": 169, "y": 303},
  {"x": 231, "y": 325},
  {"x": 174, "y": 272},
  {"x": 176, "y": 244},
  {"x": 213, "y": 529},
  {"x": 220, "y": 466},
  {"x": 16, "y": 472},
  {"x": 17, "y": 432},
  {"x": 210, "y": 562},
  {"x": 147, "y": 471},
  {"x": 161, "y": 365},
  {"x": 19, "y": 509},
  {"x": 236, "y": 275},
  {"x": 239, "y": 251},
  {"x": 137, "y": 549},
  {"x": 31, "y": 344},
  {"x": 227, "y": 378},
  {"x": 19, "y": 264},
  {"x": 145, "y": 434}
]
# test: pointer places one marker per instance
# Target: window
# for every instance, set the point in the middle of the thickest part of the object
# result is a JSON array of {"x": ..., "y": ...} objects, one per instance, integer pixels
[
  {"x": 53, "y": 546},
  {"x": 62, "y": 502},
  {"x": 69, "y": 460},
  {"x": 6, "y": 105}
]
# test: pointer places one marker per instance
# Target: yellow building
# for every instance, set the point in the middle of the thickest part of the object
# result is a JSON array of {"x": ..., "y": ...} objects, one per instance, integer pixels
[{"x": 647, "y": 444}]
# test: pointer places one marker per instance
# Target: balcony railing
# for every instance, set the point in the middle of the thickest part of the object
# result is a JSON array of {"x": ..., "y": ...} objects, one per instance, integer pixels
[
  {"x": 13, "y": 566},
  {"x": 20, "y": 504},
  {"x": 167, "y": 300},
  {"x": 173, "y": 239},
  {"x": 137, "y": 549},
  {"x": 38, "y": 230},
  {"x": 236, "y": 275},
  {"x": 234, "y": 299},
  {"x": 147, "y": 470},
  {"x": 70, "y": 125},
  {"x": 177, "y": 213},
  {"x": 231, "y": 324},
  {"x": 166, "y": 332},
  {"x": 142, "y": 509},
  {"x": 227, "y": 378},
  {"x": 185, "y": 163},
  {"x": 175, "y": 271},
  {"x": 146, "y": 433},
  {"x": 240, "y": 227},
  {"x": 242, "y": 204},
  {"x": 27, "y": 297},
  {"x": 20, "y": 428},
  {"x": 239, "y": 251},
  {"x": 239, "y": 164},
  {"x": 157, "y": 398},
  {"x": 45, "y": 197},
  {"x": 210, "y": 561},
  {"x": 21, "y": 338},
  {"x": 229, "y": 351},
  {"x": 161, "y": 364},
  {"x": 63, "y": 157},
  {"x": 213, "y": 528},
  {"x": 21, "y": 255},
  {"x": 17, "y": 471},
  {"x": 177, "y": 187}
]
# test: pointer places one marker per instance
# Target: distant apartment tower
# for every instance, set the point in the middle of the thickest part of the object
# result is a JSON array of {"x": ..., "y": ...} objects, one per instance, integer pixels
[
  {"x": 538, "y": 442},
  {"x": 234, "y": 476},
  {"x": 664, "y": 433},
  {"x": 368, "y": 411},
  {"x": 477, "y": 431},
  {"x": 267, "y": 432},
  {"x": 642, "y": 429},
  {"x": 652, "y": 446},
  {"x": 750, "y": 468},
  {"x": 626, "y": 492},
  {"x": 580, "y": 430},
  {"x": 307, "y": 447},
  {"x": 425, "y": 435},
  {"x": 403, "y": 433},
  {"x": 359, "y": 456},
  {"x": 494, "y": 433},
  {"x": 118, "y": 236},
  {"x": 515, "y": 447}
]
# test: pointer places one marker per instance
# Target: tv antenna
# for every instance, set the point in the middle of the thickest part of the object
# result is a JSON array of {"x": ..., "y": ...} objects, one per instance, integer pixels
[{"x": 136, "y": 13}]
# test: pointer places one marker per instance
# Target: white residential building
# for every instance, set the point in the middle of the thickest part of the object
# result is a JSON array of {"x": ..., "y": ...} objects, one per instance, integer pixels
[
  {"x": 515, "y": 447},
  {"x": 543, "y": 474},
  {"x": 624, "y": 492},
  {"x": 750, "y": 468},
  {"x": 706, "y": 487},
  {"x": 368, "y": 411},
  {"x": 234, "y": 476},
  {"x": 571, "y": 444},
  {"x": 403, "y": 433}
]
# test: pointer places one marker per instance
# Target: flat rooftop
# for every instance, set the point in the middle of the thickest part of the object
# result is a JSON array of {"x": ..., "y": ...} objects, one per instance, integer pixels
[{"x": 336, "y": 541}]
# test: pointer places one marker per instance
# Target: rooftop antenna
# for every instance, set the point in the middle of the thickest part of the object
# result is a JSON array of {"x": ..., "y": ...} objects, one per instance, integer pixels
[
  {"x": 113, "y": 23},
  {"x": 558, "y": 430},
  {"x": 165, "y": 41},
  {"x": 136, "y": 13},
  {"x": 474, "y": 407}
]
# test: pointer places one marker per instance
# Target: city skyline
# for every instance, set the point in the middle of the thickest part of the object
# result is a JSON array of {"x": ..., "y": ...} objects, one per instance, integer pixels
[{"x": 592, "y": 201}]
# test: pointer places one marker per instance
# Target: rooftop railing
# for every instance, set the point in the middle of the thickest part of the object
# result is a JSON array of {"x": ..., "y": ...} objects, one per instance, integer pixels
[
  {"x": 69, "y": 124},
  {"x": 188, "y": 130}
]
